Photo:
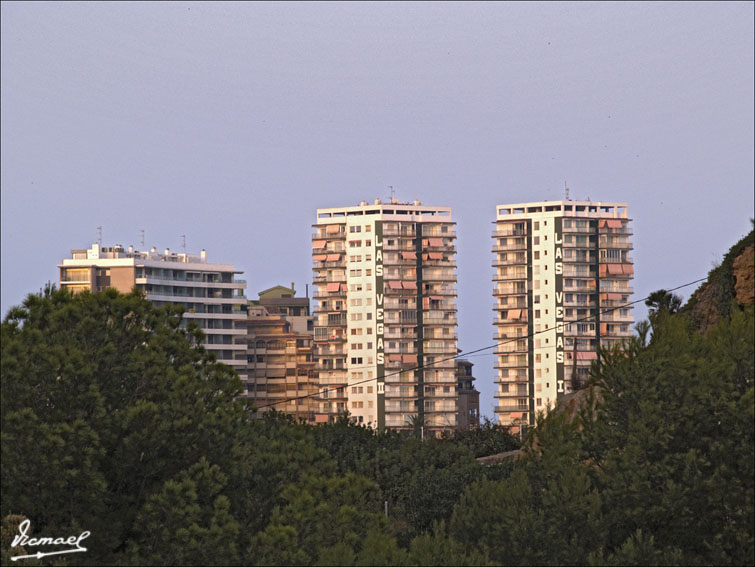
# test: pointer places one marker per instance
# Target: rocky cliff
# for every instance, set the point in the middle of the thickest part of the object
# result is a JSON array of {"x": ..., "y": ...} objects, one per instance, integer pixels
[{"x": 729, "y": 286}]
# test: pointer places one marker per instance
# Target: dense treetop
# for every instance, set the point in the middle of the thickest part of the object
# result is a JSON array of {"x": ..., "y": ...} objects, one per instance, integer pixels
[{"x": 115, "y": 420}]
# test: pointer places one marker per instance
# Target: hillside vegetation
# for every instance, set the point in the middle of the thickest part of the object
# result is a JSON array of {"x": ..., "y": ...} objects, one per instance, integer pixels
[{"x": 115, "y": 420}]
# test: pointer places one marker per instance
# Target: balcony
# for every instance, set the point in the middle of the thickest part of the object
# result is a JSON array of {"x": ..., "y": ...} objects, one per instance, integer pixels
[
  {"x": 581, "y": 229},
  {"x": 572, "y": 271},
  {"x": 508, "y": 409},
  {"x": 320, "y": 309},
  {"x": 578, "y": 259},
  {"x": 579, "y": 303},
  {"x": 335, "y": 321},
  {"x": 334, "y": 278},
  {"x": 512, "y": 362},
  {"x": 399, "y": 245},
  {"x": 449, "y": 291},
  {"x": 498, "y": 233},
  {"x": 435, "y": 263},
  {"x": 430, "y": 275},
  {"x": 399, "y": 231},
  {"x": 510, "y": 247},
  {"x": 391, "y": 260},
  {"x": 510, "y": 305},
  {"x": 502, "y": 275},
  {"x": 332, "y": 264},
  {"x": 578, "y": 243},
  {"x": 615, "y": 317},
  {"x": 519, "y": 261},
  {"x": 624, "y": 231},
  {"x": 426, "y": 232},
  {"x": 587, "y": 286},
  {"x": 504, "y": 289},
  {"x": 325, "y": 235},
  {"x": 437, "y": 318},
  {"x": 618, "y": 243},
  {"x": 615, "y": 286}
]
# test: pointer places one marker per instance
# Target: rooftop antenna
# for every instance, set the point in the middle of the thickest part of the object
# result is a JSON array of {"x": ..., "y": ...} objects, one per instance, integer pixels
[
  {"x": 393, "y": 193},
  {"x": 99, "y": 235},
  {"x": 141, "y": 231},
  {"x": 566, "y": 190},
  {"x": 183, "y": 242}
]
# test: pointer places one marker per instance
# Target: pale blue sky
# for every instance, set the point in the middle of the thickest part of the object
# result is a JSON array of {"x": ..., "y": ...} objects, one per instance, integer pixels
[{"x": 231, "y": 123}]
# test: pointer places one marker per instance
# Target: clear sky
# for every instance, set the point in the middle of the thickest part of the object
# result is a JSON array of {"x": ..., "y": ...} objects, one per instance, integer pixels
[{"x": 232, "y": 123}]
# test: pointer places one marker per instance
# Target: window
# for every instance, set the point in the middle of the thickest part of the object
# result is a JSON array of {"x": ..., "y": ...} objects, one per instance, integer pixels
[
  {"x": 367, "y": 228},
  {"x": 535, "y": 240},
  {"x": 537, "y": 255},
  {"x": 367, "y": 272},
  {"x": 368, "y": 242},
  {"x": 356, "y": 360},
  {"x": 355, "y": 229},
  {"x": 355, "y": 243},
  {"x": 537, "y": 225},
  {"x": 369, "y": 389}
]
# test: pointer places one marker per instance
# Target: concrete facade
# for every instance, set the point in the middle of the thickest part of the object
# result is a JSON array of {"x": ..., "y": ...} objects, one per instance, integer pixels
[
  {"x": 385, "y": 315},
  {"x": 558, "y": 265}
]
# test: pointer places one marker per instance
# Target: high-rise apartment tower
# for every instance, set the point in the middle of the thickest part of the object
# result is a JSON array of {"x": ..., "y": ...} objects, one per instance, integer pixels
[
  {"x": 385, "y": 327},
  {"x": 561, "y": 269}
]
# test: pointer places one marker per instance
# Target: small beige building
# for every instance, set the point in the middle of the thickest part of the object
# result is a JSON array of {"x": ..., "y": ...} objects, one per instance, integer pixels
[{"x": 280, "y": 368}]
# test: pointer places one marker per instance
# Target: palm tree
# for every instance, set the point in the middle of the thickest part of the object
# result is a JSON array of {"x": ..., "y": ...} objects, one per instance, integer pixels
[
  {"x": 417, "y": 423},
  {"x": 663, "y": 301}
]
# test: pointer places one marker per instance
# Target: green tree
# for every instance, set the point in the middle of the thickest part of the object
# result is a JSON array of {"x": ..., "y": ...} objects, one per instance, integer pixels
[
  {"x": 106, "y": 401},
  {"x": 318, "y": 515},
  {"x": 546, "y": 513},
  {"x": 673, "y": 443}
]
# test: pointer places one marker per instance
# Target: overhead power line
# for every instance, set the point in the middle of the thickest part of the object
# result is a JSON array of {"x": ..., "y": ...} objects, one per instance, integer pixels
[{"x": 470, "y": 352}]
